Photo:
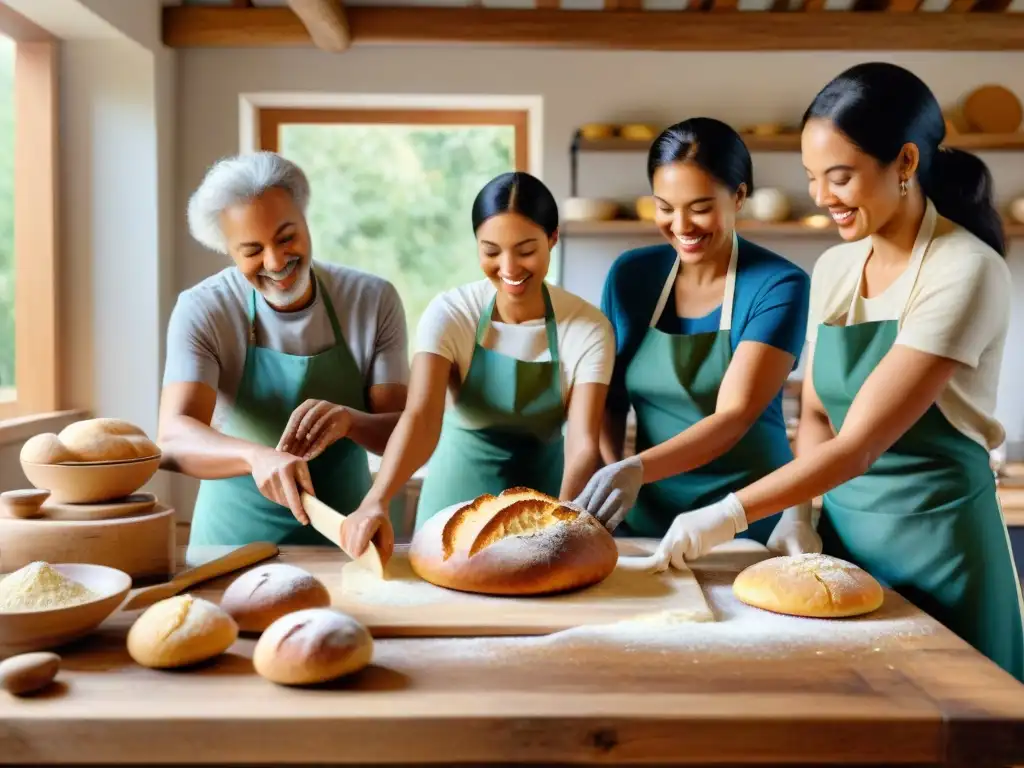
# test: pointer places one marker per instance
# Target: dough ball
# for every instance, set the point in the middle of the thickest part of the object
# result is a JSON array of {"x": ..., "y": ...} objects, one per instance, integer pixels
[
  {"x": 107, "y": 440},
  {"x": 263, "y": 594},
  {"x": 180, "y": 631},
  {"x": 813, "y": 585},
  {"x": 312, "y": 646},
  {"x": 45, "y": 449}
]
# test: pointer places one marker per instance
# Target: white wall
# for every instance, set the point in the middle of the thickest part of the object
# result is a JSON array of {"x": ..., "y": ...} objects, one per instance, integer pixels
[
  {"x": 578, "y": 87},
  {"x": 116, "y": 147}
]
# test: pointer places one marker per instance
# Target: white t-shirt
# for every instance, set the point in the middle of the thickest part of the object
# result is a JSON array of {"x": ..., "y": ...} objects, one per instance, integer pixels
[
  {"x": 586, "y": 346},
  {"x": 959, "y": 308}
]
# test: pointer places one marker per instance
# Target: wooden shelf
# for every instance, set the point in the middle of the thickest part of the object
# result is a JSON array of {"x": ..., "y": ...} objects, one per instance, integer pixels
[
  {"x": 637, "y": 228},
  {"x": 790, "y": 142}
]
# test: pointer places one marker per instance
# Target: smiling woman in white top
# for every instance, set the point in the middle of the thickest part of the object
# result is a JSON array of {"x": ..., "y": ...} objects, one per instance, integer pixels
[
  {"x": 908, "y": 321},
  {"x": 522, "y": 363}
]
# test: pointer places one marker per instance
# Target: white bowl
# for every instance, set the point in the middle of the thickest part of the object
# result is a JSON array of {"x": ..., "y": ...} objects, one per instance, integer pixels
[{"x": 25, "y": 631}]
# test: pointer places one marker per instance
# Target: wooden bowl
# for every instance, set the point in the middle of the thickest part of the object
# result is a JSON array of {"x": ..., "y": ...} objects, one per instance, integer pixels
[
  {"x": 89, "y": 483},
  {"x": 589, "y": 209},
  {"x": 25, "y": 631}
]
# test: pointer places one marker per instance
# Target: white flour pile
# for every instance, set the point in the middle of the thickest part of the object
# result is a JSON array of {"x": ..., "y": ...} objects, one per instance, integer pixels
[{"x": 38, "y": 587}]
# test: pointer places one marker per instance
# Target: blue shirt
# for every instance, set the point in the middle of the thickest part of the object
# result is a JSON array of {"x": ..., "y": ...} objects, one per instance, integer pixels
[{"x": 770, "y": 305}]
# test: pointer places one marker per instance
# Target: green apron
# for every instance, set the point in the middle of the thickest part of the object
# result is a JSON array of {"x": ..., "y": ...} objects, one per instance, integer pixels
[
  {"x": 925, "y": 518},
  {"x": 504, "y": 431},
  {"x": 673, "y": 382},
  {"x": 273, "y": 385}
]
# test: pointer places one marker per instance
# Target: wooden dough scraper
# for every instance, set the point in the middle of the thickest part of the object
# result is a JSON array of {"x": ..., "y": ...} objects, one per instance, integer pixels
[{"x": 328, "y": 522}]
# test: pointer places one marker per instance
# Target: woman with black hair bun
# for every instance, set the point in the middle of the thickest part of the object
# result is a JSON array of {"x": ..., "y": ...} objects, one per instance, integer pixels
[
  {"x": 708, "y": 327},
  {"x": 522, "y": 360},
  {"x": 907, "y": 327}
]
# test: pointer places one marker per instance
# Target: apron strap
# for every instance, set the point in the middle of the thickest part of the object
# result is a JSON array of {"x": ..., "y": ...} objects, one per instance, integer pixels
[
  {"x": 725, "y": 321},
  {"x": 921, "y": 245},
  {"x": 550, "y": 325}
]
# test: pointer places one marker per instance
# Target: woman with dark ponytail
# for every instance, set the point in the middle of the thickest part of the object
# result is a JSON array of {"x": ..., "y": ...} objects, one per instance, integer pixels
[
  {"x": 907, "y": 327},
  {"x": 526, "y": 364}
]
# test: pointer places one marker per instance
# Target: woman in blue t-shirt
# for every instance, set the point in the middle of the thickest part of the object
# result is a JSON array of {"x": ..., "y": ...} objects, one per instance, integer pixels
[{"x": 707, "y": 329}]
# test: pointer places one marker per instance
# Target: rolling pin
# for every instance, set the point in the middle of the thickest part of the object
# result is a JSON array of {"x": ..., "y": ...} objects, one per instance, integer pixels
[{"x": 328, "y": 522}]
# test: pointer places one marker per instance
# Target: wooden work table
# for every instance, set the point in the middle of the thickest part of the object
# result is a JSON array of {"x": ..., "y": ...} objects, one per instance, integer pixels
[{"x": 898, "y": 697}]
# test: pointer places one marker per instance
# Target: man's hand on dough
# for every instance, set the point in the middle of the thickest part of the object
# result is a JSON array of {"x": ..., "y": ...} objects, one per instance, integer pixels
[
  {"x": 694, "y": 534},
  {"x": 795, "y": 533}
]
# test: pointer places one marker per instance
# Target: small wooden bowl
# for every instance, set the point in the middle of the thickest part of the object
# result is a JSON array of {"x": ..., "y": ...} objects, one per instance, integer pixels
[
  {"x": 90, "y": 483},
  {"x": 24, "y": 631}
]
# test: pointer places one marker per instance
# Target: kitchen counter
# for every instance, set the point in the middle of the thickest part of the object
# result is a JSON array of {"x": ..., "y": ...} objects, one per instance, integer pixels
[{"x": 752, "y": 688}]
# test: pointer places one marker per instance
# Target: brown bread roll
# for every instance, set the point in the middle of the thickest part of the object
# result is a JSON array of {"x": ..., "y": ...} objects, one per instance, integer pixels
[
  {"x": 263, "y": 594},
  {"x": 180, "y": 631},
  {"x": 312, "y": 646},
  {"x": 813, "y": 585},
  {"x": 521, "y": 542}
]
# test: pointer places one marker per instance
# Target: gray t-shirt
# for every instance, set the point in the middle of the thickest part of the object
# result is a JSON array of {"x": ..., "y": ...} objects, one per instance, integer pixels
[{"x": 209, "y": 329}]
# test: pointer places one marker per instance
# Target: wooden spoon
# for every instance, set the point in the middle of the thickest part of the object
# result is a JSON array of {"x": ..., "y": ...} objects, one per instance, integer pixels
[
  {"x": 232, "y": 561},
  {"x": 25, "y": 503}
]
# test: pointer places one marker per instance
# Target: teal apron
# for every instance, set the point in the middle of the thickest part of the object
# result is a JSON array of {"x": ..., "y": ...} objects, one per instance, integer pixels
[
  {"x": 273, "y": 385},
  {"x": 673, "y": 382},
  {"x": 504, "y": 431},
  {"x": 925, "y": 518}
]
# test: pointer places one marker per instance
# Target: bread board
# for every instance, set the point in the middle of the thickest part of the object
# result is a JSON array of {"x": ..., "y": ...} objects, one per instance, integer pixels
[
  {"x": 406, "y": 606},
  {"x": 143, "y": 546}
]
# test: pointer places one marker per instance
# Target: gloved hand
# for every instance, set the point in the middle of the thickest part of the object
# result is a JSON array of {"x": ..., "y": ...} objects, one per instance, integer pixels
[
  {"x": 611, "y": 491},
  {"x": 796, "y": 532},
  {"x": 694, "y": 534}
]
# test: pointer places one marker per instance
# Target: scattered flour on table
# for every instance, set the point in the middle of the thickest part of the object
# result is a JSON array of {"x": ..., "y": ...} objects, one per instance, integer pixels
[
  {"x": 38, "y": 587},
  {"x": 738, "y": 631}
]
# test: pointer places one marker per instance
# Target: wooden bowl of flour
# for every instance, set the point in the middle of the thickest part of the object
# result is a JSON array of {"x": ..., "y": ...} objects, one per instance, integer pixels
[{"x": 22, "y": 631}]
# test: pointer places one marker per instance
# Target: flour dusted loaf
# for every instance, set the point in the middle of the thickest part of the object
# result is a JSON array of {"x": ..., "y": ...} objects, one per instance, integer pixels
[
  {"x": 90, "y": 440},
  {"x": 520, "y": 542},
  {"x": 263, "y": 594},
  {"x": 312, "y": 646},
  {"x": 818, "y": 586},
  {"x": 180, "y": 631}
]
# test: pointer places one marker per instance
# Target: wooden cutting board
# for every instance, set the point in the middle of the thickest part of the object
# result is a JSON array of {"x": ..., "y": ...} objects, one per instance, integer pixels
[{"x": 404, "y": 605}]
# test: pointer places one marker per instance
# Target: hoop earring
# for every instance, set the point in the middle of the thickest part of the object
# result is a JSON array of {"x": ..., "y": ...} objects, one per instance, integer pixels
[{"x": 903, "y": 187}]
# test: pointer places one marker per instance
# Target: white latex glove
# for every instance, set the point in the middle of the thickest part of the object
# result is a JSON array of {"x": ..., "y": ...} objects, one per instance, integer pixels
[
  {"x": 796, "y": 532},
  {"x": 694, "y": 534},
  {"x": 611, "y": 491}
]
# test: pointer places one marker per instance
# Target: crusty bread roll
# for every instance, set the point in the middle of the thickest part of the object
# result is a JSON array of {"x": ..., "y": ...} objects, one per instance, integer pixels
[
  {"x": 90, "y": 440},
  {"x": 180, "y": 631},
  {"x": 521, "y": 542},
  {"x": 818, "y": 586},
  {"x": 263, "y": 594},
  {"x": 312, "y": 646}
]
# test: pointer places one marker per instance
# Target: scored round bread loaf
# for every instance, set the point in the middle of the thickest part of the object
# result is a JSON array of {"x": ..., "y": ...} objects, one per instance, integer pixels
[
  {"x": 521, "y": 542},
  {"x": 312, "y": 646},
  {"x": 106, "y": 439},
  {"x": 263, "y": 594},
  {"x": 812, "y": 585},
  {"x": 180, "y": 631}
]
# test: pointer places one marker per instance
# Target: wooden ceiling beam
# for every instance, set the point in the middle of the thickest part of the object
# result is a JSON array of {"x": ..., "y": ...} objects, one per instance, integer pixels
[
  {"x": 325, "y": 21},
  {"x": 195, "y": 26}
]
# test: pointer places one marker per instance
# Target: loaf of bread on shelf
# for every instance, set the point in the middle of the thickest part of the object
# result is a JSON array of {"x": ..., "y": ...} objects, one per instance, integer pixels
[
  {"x": 520, "y": 542},
  {"x": 312, "y": 646},
  {"x": 263, "y": 594},
  {"x": 813, "y": 585},
  {"x": 89, "y": 440},
  {"x": 180, "y": 631}
]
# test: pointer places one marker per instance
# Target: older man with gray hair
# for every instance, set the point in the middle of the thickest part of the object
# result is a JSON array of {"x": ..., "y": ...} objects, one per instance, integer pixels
[{"x": 282, "y": 371}]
